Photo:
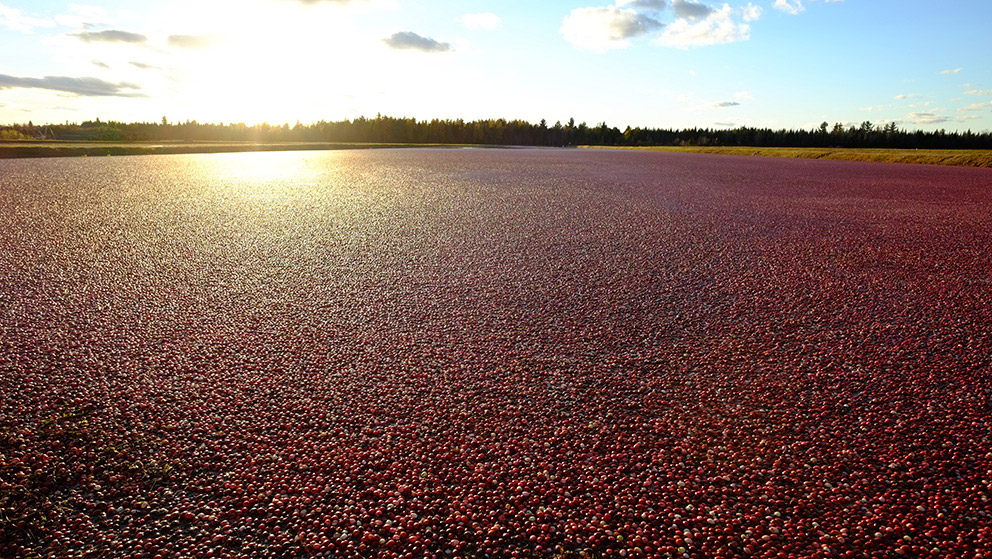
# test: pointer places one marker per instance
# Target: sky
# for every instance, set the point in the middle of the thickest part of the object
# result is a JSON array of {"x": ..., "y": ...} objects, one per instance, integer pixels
[{"x": 651, "y": 63}]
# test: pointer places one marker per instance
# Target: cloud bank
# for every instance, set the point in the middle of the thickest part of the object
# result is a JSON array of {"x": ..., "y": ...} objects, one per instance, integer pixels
[
  {"x": 411, "y": 41},
  {"x": 83, "y": 87},
  {"x": 695, "y": 24}
]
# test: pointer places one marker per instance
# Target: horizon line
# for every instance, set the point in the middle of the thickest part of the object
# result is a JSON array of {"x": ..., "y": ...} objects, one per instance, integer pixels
[{"x": 164, "y": 121}]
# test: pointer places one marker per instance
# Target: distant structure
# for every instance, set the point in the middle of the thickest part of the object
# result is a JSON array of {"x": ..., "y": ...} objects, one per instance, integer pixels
[{"x": 45, "y": 133}]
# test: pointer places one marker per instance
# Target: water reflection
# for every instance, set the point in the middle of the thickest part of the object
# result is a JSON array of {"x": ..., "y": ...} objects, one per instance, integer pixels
[{"x": 267, "y": 174}]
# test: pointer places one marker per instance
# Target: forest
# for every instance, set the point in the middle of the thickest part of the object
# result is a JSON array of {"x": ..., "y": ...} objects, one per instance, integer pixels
[{"x": 386, "y": 129}]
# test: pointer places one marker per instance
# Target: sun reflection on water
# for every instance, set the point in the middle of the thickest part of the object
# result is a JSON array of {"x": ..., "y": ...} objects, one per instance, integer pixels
[{"x": 268, "y": 174}]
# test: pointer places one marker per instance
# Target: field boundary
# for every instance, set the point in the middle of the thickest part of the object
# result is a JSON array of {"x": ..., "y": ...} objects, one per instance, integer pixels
[
  {"x": 30, "y": 149},
  {"x": 958, "y": 158},
  {"x": 22, "y": 149}
]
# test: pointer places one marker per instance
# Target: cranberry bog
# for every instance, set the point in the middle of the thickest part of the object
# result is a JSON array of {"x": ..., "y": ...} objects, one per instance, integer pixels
[{"x": 494, "y": 353}]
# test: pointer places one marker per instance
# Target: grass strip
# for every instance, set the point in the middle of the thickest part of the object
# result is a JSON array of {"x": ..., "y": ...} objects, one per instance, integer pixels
[
  {"x": 959, "y": 158},
  {"x": 21, "y": 149}
]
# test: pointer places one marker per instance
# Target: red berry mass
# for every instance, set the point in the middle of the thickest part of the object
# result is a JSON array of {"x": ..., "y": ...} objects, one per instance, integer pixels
[{"x": 514, "y": 353}]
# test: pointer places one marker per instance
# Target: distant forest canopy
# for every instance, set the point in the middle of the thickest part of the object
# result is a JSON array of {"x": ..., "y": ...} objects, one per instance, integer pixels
[{"x": 384, "y": 129}]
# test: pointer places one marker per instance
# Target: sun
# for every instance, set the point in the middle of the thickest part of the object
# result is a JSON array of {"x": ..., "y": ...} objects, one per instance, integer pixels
[
  {"x": 272, "y": 65},
  {"x": 288, "y": 61}
]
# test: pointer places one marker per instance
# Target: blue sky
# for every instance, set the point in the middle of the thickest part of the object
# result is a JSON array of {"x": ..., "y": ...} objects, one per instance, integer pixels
[{"x": 656, "y": 63}]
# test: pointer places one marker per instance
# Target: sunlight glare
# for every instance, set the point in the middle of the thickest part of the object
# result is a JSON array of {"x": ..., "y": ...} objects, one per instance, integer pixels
[
  {"x": 276, "y": 66},
  {"x": 268, "y": 174}
]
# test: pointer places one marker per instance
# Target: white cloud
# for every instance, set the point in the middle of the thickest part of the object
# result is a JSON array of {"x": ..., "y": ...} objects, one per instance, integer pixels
[
  {"x": 408, "y": 40},
  {"x": 927, "y": 118},
  {"x": 110, "y": 36},
  {"x": 83, "y": 16},
  {"x": 605, "y": 28},
  {"x": 696, "y": 24},
  {"x": 975, "y": 107},
  {"x": 717, "y": 28},
  {"x": 743, "y": 95},
  {"x": 690, "y": 10},
  {"x": 83, "y": 87},
  {"x": 191, "y": 41},
  {"x": 978, "y": 92},
  {"x": 15, "y": 20},
  {"x": 789, "y": 6},
  {"x": 486, "y": 21},
  {"x": 646, "y": 4},
  {"x": 795, "y": 6},
  {"x": 751, "y": 12},
  {"x": 388, "y": 4},
  {"x": 949, "y": 72}
]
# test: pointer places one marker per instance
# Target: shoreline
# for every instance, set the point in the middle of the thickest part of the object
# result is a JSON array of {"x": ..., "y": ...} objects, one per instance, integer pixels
[
  {"x": 19, "y": 149},
  {"x": 956, "y": 158},
  {"x": 28, "y": 149}
]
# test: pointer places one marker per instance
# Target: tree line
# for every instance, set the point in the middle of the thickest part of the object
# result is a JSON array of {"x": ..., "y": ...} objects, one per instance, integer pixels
[{"x": 386, "y": 129}]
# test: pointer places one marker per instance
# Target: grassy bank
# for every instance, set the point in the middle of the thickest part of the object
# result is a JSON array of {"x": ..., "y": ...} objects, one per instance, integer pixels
[
  {"x": 960, "y": 158},
  {"x": 22, "y": 149},
  {"x": 19, "y": 149}
]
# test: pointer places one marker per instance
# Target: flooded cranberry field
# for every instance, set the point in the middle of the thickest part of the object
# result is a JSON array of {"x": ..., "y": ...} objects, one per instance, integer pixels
[{"x": 494, "y": 353}]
